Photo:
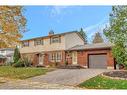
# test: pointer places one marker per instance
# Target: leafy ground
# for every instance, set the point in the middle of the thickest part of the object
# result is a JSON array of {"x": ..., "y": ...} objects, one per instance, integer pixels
[
  {"x": 21, "y": 73},
  {"x": 100, "y": 82}
]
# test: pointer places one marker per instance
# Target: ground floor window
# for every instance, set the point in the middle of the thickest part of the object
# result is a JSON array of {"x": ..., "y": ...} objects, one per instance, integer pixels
[{"x": 55, "y": 56}]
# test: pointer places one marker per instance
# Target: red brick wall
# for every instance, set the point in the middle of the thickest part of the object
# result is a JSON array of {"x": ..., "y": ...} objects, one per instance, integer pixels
[
  {"x": 48, "y": 62},
  {"x": 35, "y": 60},
  {"x": 33, "y": 57},
  {"x": 69, "y": 58},
  {"x": 82, "y": 57},
  {"x": 111, "y": 61},
  {"x": 2, "y": 61},
  {"x": 46, "y": 59}
]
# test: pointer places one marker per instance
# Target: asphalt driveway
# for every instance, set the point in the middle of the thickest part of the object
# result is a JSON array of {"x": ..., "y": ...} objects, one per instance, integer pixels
[{"x": 71, "y": 77}]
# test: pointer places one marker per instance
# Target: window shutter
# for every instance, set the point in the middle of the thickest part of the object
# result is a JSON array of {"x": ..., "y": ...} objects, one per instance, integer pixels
[
  {"x": 59, "y": 39},
  {"x": 50, "y": 40}
]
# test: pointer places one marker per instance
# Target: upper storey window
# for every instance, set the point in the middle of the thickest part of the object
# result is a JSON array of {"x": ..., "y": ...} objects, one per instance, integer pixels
[
  {"x": 55, "y": 40},
  {"x": 25, "y": 44},
  {"x": 38, "y": 42}
]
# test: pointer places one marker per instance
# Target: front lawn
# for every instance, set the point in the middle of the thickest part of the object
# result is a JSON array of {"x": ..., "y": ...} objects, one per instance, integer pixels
[
  {"x": 100, "y": 82},
  {"x": 21, "y": 73}
]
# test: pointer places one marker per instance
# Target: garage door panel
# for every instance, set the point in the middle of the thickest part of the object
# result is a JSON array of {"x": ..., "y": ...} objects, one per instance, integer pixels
[{"x": 98, "y": 61}]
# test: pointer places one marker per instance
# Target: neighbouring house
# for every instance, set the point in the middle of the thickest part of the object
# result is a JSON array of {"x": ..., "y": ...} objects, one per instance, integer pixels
[
  {"x": 6, "y": 55},
  {"x": 68, "y": 47},
  {"x": 2, "y": 59}
]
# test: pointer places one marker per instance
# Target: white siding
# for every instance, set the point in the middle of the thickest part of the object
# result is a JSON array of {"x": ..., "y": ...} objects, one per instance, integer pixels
[
  {"x": 8, "y": 52},
  {"x": 67, "y": 41},
  {"x": 72, "y": 40},
  {"x": 45, "y": 47}
]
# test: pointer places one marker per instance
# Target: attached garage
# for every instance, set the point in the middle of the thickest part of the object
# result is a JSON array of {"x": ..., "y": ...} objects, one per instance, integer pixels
[
  {"x": 96, "y": 56},
  {"x": 97, "y": 61}
]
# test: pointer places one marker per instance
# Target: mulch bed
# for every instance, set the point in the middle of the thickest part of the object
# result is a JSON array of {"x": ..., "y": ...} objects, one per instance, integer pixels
[{"x": 120, "y": 74}]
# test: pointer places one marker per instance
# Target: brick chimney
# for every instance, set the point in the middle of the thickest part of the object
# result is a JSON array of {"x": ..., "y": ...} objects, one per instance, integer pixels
[{"x": 51, "y": 32}]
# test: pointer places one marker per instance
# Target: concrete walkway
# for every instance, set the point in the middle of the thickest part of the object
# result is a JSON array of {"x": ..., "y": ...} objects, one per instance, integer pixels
[{"x": 71, "y": 77}]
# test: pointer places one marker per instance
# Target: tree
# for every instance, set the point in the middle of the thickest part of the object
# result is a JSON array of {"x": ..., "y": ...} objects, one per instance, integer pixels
[
  {"x": 83, "y": 34},
  {"x": 12, "y": 25},
  {"x": 116, "y": 32},
  {"x": 17, "y": 55},
  {"x": 97, "y": 38}
]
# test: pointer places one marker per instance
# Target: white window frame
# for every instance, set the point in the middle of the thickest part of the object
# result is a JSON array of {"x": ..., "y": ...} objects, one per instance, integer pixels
[
  {"x": 24, "y": 44},
  {"x": 55, "y": 39},
  {"x": 38, "y": 42},
  {"x": 55, "y": 56}
]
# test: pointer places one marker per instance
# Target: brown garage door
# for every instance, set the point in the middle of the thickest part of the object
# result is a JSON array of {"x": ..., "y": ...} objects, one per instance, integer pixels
[{"x": 98, "y": 61}]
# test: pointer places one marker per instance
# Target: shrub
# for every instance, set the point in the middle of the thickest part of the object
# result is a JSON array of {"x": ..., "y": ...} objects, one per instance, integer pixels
[
  {"x": 17, "y": 55},
  {"x": 66, "y": 63},
  {"x": 56, "y": 63},
  {"x": 52, "y": 65},
  {"x": 26, "y": 62},
  {"x": 125, "y": 64},
  {"x": 19, "y": 63},
  {"x": 9, "y": 63}
]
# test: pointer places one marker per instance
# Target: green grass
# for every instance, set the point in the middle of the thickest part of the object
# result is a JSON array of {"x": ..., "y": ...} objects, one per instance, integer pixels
[
  {"x": 100, "y": 82},
  {"x": 21, "y": 73}
]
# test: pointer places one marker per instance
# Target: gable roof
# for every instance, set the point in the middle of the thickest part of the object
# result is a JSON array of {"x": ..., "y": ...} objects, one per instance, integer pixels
[
  {"x": 54, "y": 35},
  {"x": 92, "y": 46}
]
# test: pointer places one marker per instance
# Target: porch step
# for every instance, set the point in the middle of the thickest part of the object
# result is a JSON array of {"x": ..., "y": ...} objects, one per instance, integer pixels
[
  {"x": 39, "y": 65},
  {"x": 71, "y": 67}
]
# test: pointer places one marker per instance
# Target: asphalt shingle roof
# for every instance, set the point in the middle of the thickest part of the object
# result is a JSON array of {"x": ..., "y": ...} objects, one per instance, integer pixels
[
  {"x": 51, "y": 35},
  {"x": 92, "y": 46}
]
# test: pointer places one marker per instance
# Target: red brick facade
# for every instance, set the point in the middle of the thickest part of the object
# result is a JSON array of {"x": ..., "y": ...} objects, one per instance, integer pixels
[
  {"x": 46, "y": 60},
  {"x": 82, "y": 57},
  {"x": 2, "y": 61}
]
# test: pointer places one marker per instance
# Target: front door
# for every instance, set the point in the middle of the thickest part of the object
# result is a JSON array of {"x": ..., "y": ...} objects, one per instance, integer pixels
[
  {"x": 41, "y": 57},
  {"x": 74, "y": 57}
]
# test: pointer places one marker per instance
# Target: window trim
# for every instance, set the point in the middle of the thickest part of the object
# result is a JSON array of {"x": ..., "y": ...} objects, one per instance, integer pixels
[
  {"x": 36, "y": 42},
  {"x": 55, "y": 56},
  {"x": 56, "y": 39},
  {"x": 23, "y": 45}
]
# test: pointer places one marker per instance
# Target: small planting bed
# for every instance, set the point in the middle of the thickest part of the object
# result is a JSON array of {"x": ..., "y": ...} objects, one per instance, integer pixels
[{"x": 116, "y": 74}]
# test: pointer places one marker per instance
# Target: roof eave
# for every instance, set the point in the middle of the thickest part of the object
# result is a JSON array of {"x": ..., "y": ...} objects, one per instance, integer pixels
[{"x": 90, "y": 49}]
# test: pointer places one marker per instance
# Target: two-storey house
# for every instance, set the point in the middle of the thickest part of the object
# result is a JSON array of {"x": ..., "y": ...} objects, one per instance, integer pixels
[
  {"x": 49, "y": 49},
  {"x": 68, "y": 47}
]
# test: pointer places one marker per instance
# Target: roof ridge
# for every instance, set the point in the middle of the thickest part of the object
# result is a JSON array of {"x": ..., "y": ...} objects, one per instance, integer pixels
[{"x": 51, "y": 35}]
